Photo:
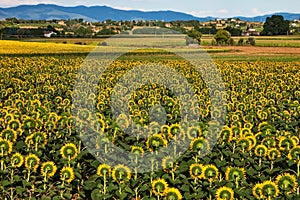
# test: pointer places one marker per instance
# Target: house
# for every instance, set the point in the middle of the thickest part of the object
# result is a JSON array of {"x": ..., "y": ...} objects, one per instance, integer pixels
[
  {"x": 48, "y": 34},
  {"x": 168, "y": 25},
  {"x": 62, "y": 23},
  {"x": 251, "y": 32}
]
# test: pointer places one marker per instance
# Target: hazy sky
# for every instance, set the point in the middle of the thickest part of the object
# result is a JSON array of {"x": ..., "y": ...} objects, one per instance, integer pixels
[{"x": 201, "y": 8}]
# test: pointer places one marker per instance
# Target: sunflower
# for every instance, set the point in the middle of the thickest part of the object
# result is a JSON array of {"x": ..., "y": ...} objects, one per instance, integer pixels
[
  {"x": 5, "y": 147},
  {"x": 248, "y": 125},
  {"x": 226, "y": 134},
  {"x": 261, "y": 150},
  {"x": 245, "y": 143},
  {"x": 287, "y": 183},
  {"x": 294, "y": 153},
  {"x": 16, "y": 160},
  {"x": 169, "y": 164},
  {"x": 137, "y": 150},
  {"x": 252, "y": 140},
  {"x": 174, "y": 130},
  {"x": 194, "y": 132},
  {"x": 172, "y": 194},
  {"x": 269, "y": 189},
  {"x": 285, "y": 143},
  {"x": 40, "y": 138},
  {"x": 257, "y": 191},
  {"x": 103, "y": 170},
  {"x": 32, "y": 161},
  {"x": 295, "y": 139},
  {"x": 159, "y": 186},
  {"x": 210, "y": 172},
  {"x": 235, "y": 173},
  {"x": 273, "y": 153},
  {"x": 9, "y": 134},
  {"x": 164, "y": 129},
  {"x": 224, "y": 193},
  {"x": 198, "y": 144},
  {"x": 67, "y": 174},
  {"x": 69, "y": 151},
  {"x": 196, "y": 170},
  {"x": 155, "y": 141},
  {"x": 48, "y": 169},
  {"x": 269, "y": 142},
  {"x": 121, "y": 173}
]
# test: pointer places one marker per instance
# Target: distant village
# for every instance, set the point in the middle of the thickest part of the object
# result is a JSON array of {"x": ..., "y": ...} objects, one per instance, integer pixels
[{"x": 18, "y": 28}]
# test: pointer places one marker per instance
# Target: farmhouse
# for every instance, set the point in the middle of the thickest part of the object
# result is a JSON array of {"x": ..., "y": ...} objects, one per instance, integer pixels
[{"x": 48, "y": 34}]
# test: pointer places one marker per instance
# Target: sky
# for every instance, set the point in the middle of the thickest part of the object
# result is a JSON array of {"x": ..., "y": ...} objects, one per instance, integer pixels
[{"x": 199, "y": 8}]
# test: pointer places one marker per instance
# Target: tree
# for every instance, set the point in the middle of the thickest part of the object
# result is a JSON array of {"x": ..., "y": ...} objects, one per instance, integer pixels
[
  {"x": 275, "y": 25},
  {"x": 222, "y": 37},
  {"x": 195, "y": 35},
  {"x": 234, "y": 31}
]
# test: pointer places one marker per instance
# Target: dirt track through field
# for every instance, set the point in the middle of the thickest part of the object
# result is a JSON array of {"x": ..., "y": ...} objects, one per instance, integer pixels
[{"x": 250, "y": 50}]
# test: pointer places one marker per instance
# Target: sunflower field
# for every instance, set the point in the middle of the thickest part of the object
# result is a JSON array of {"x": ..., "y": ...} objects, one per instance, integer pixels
[{"x": 257, "y": 155}]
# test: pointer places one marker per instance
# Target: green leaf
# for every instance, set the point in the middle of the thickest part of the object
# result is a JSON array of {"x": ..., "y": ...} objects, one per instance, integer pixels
[{"x": 96, "y": 194}]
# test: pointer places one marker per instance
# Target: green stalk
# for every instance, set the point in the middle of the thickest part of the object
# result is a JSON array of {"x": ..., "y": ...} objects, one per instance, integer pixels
[{"x": 104, "y": 184}]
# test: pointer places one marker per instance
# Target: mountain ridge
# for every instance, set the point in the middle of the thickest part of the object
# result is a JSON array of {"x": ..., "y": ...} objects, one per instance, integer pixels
[{"x": 101, "y": 13}]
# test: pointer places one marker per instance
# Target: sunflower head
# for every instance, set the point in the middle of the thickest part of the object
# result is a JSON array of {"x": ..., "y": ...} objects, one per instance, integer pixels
[
  {"x": 294, "y": 154},
  {"x": 173, "y": 194},
  {"x": 287, "y": 183},
  {"x": 194, "y": 132},
  {"x": 252, "y": 140},
  {"x": 235, "y": 173},
  {"x": 9, "y": 134},
  {"x": 67, "y": 174},
  {"x": 121, "y": 173},
  {"x": 257, "y": 191},
  {"x": 269, "y": 142},
  {"x": 273, "y": 154},
  {"x": 48, "y": 169},
  {"x": 159, "y": 186},
  {"x": 17, "y": 160},
  {"x": 169, "y": 164},
  {"x": 155, "y": 142},
  {"x": 224, "y": 193},
  {"x": 226, "y": 134},
  {"x": 285, "y": 143},
  {"x": 103, "y": 170},
  {"x": 199, "y": 144},
  {"x": 269, "y": 189},
  {"x": 261, "y": 150},
  {"x": 69, "y": 151},
  {"x": 196, "y": 170},
  {"x": 245, "y": 143},
  {"x": 5, "y": 147},
  {"x": 137, "y": 150},
  {"x": 40, "y": 138},
  {"x": 210, "y": 172},
  {"x": 174, "y": 130},
  {"x": 32, "y": 161}
]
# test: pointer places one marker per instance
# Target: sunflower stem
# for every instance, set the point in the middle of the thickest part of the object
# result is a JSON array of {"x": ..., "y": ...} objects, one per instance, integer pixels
[
  {"x": 259, "y": 164},
  {"x": 104, "y": 184},
  {"x": 2, "y": 164},
  {"x": 12, "y": 175},
  {"x": 79, "y": 146},
  {"x": 272, "y": 163},
  {"x": 28, "y": 175},
  {"x": 173, "y": 175}
]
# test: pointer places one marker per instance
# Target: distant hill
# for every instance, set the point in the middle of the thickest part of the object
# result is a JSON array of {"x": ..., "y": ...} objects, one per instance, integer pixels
[{"x": 101, "y": 13}]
